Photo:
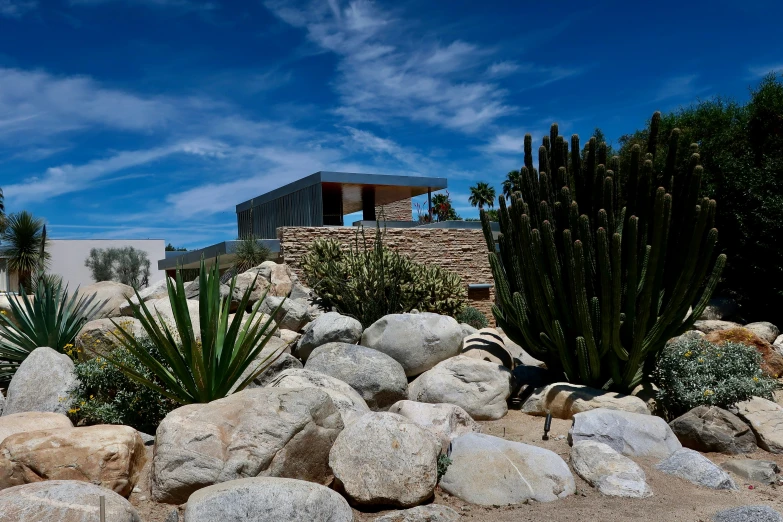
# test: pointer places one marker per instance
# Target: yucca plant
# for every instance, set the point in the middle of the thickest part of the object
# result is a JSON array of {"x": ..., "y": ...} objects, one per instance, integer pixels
[
  {"x": 199, "y": 370},
  {"x": 51, "y": 317},
  {"x": 598, "y": 268}
]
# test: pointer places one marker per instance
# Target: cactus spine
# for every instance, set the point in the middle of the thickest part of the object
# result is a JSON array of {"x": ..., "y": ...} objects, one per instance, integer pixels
[{"x": 597, "y": 269}]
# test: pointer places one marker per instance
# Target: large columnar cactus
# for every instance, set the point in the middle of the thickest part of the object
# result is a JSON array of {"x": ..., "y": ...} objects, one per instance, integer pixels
[{"x": 598, "y": 268}]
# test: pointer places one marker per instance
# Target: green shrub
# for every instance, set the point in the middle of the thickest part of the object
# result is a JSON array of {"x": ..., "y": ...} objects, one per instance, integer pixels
[
  {"x": 105, "y": 395},
  {"x": 695, "y": 372},
  {"x": 472, "y": 317},
  {"x": 443, "y": 464},
  {"x": 369, "y": 280}
]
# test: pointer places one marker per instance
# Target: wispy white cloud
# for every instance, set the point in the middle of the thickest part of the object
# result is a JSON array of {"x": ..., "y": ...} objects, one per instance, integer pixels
[
  {"x": 501, "y": 69},
  {"x": 757, "y": 71},
  {"x": 190, "y": 4},
  {"x": 16, "y": 8},
  {"x": 683, "y": 86}
]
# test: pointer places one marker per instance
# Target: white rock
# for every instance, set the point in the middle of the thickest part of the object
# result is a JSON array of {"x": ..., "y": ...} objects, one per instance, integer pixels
[
  {"x": 710, "y": 326},
  {"x": 632, "y": 434},
  {"x": 479, "y": 387},
  {"x": 489, "y": 471},
  {"x": 100, "y": 336},
  {"x": 609, "y": 472},
  {"x": 159, "y": 290},
  {"x": 766, "y": 419},
  {"x": 378, "y": 378},
  {"x": 346, "y": 399},
  {"x": 696, "y": 468},
  {"x": 385, "y": 459},
  {"x": 428, "y": 513},
  {"x": 31, "y": 421},
  {"x": 417, "y": 341},
  {"x": 267, "y": 499},
  {"x": 115, "y": 295},
  {"x": 328, "y": 328},
  {"x": 563, "y": 400},
  {"x": 445, "y": 421},
  {"x": 767, "y": 331},
  {"x": 487, "y": 345},
  {"x": 291, "y": 315},
  {"x": 163, "y": 307},
  {"x": 43, "y": 382}
]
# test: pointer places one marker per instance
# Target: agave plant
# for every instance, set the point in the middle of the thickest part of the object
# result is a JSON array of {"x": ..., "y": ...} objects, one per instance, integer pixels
[
  {"x": 201, "y": 370},
  {"x": 50, "y": 318}
]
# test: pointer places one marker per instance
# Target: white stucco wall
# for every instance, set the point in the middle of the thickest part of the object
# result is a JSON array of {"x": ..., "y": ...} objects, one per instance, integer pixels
[{"x": 68, "y": 257}]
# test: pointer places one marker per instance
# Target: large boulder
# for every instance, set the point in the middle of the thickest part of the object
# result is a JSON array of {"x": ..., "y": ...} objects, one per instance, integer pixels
[
  {"x": 719, "y": 308},
  {"x": 63, "y": 501},
  {"x": 518, "y": 353},
  {"x": 163, "y": 308},
  {"x": 100, "y": 336},
  {"x": 709, "y": 326},
  {"x": 259, "y": 432},
  {"x": 43, "y": 382},
  {"x": 346, "y": 399},
  {"x": 764, "y": 471},
  {"x": 417, "y": 341},
  {"x": 445, "y": 421},
  {"x": 772, "y": 361},
  {"x": 778, "y": 344},
  {"x": 378, "y": 378},
  {"x": 158, "y": 290},
  {"x": 428, "y": 513},
  {"x": 487, "y": 345},
  {"x": 258, "y": 285},
  {"x": 696, "y": 468},
  {"x": 748, "y": 514},
  {"x": 766, "y": 419},
  {"x": 31, "y": 421},
  {"x": 479, "y": 387},
  {"x": 260, "y": 319},
  {"x": 563, "y": 400},
  {"x": 292, "y": 315},
  {"x": 284, "y": 362},
  {"x": 489, "y": 471},
  {"x": 609, "y": 472},
  {"x": 632, "y": 434},
  {"x": 193, "y": 290},
  {"x": 330, "y": 327},
  {"x": 709, "y": 428},
  {"x": 113, "y": 294},
  {"x": 267, "y": 499},
  {"x": 767, "y": 331},
  {"x": 385, "y": 459},
  {"x": 110, "y": 456}
]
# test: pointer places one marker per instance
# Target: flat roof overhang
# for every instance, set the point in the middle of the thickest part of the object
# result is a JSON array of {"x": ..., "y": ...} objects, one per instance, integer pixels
[
  {"x": 387, "y": 189},
  {"x": 225, "y": 250}
]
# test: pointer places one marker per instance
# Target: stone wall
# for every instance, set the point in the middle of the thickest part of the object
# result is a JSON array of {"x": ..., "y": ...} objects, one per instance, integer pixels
[
  {"x": 397, "y": 211},
  {"x": 461, "y": 251}
]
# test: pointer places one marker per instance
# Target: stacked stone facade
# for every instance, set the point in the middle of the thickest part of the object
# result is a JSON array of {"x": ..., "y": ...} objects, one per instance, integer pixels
[
  {"x": 397, "y": 211},
  {"x": 461, "y": 251}
]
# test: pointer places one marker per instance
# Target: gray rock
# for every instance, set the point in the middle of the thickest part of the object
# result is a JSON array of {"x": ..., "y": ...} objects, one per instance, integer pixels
[
  {"x": 299, "y": 291},
  {"x": 148, "y": 439},
  {"x": 428, "y": 513},
  {"x": 778, "y": 344},
  {"x": 748, "y": 514},
  {"x": 416, "y": 341},
  {"x": 445, "y": 421},
  {"x": 766, "y": 419},
  {"x": 267, "y": 500},
  {"x": 609, "y": 472},
  {"x": 764, "y": 471},
  {"x": 687, "y": 336},
  {"x": 100, "y": 336},
  {"x": 378, "y": 378},
  {"x": 467, "y": 329},
  {"x": 43, "y": 382},
  {"x": 767, "y": 331},
  {"x": 709, "y": 428},
  {"x": 250, "y": 280},
  {"x": 488, "y": 470},
  {"x": 348, "y": 402},
  {"x": 63, "y": 501},
  {"x": 487, "y": 345},
  {"x": 696, "y": 468},
  {"x": 260, "y": 432},
  {"x": 163, "y": 308},
  {"x": 173, "y": 516},
  {"x": 563, "y": 400},
  {"x": 518, "y": 353},
  {"x": 2, "y": 403},
  {"x": 719, "y": 308},
  {"x": 158, "y": 290},
  {"x": 286, "y": 361},
  {"x": 273, "y": 357},
  {"x": 193, "y": 291},
  {"x": 707, "y": 327},
  {"x": 292, "y": 315},
  {"x": 328, "y": 328},
  {"x": 385, "y": 459},
  {"x": 632, "y": 434},
  {"x": 481, "y": 388},
  {"x": 113, "y": 295}
]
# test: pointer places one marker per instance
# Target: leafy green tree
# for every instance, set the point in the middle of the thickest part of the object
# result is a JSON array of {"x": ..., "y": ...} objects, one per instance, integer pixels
[
  {"x": 25, "y": 242},
  {"x": 442, "y": 208},
  {"x": 741, "y": 149},
  {"x": 127, "y": 265},
  {"x": 172, "y": 248},
  {"x": 481, "y": 194}
]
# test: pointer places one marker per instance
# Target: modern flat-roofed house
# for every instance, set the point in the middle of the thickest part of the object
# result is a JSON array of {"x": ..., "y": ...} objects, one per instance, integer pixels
[{"x": 288, "y": 219}]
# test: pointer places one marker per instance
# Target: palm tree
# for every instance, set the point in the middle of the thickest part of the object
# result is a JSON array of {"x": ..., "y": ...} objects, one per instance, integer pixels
[
  {"x": 2, "y": 212},
  {"x": 512, "y": 183},
  {"x": 482, "y": 194},
  {"x": 25, "y": 242}
]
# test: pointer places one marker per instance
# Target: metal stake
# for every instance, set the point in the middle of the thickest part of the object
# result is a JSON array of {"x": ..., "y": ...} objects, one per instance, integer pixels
[{"x": 103, "y": 508}]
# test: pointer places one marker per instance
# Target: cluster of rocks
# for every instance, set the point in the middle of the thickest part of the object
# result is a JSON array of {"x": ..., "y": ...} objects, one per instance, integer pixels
[{"x": 352, "y": 416}]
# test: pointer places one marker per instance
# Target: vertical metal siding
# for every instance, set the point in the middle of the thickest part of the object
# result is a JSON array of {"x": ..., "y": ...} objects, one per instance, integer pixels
[{"x": 302, "y": 208}]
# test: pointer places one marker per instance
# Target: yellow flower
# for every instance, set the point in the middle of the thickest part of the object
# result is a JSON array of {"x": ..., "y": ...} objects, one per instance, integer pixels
[
  {"x": 755, "y": 379},
  {"x": 2, "y": 312},
  {"x": 701, "y": 360},
  {"x": 688, "y": 353},
  {"x": 707, "y": 393}
]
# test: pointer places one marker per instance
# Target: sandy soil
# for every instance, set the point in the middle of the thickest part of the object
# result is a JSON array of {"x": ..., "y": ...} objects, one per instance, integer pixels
[{"x": 673, "y": 499}]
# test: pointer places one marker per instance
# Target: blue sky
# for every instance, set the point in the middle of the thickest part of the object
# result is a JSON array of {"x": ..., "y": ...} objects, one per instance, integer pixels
[{"x": 154, "y": 118}]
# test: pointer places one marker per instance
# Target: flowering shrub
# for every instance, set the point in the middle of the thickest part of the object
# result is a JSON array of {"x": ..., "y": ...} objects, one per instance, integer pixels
[
  {"x": 105, "y": 395},
  {"x": 695, "y": 372}
]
